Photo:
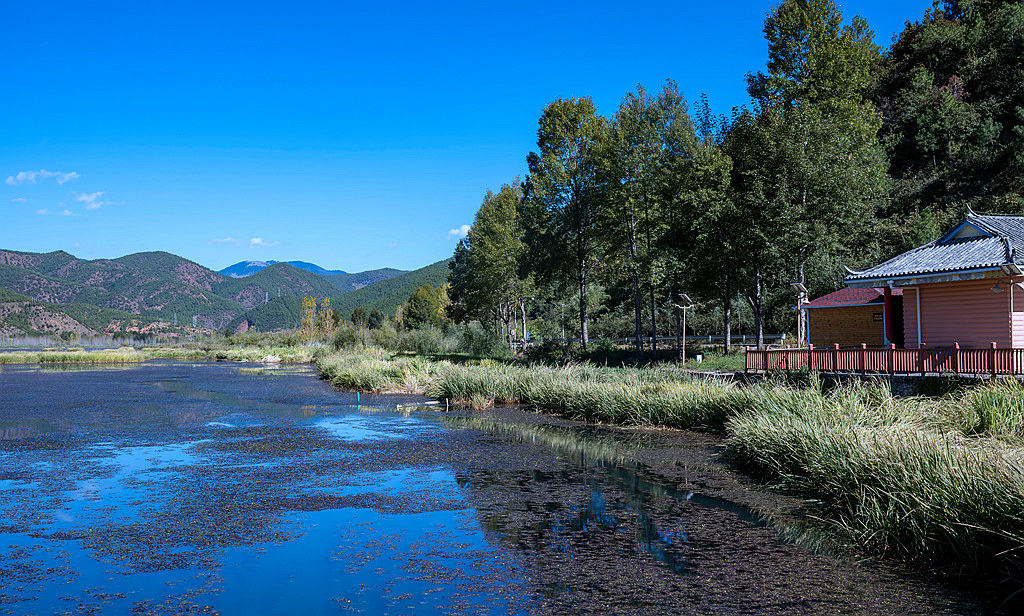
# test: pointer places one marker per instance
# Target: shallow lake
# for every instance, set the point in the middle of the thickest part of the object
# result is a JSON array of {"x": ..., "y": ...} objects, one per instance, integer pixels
[{"x": 168, "y": 488}]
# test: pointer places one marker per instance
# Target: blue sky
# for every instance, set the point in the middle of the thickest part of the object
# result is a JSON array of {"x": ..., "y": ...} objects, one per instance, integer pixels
[{"x": 353, "y": 136}]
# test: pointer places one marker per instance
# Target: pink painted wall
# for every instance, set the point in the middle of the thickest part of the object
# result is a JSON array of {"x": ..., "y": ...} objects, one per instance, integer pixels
[
  {"x": 910, "y": 318},
  {"x": 967, "y": 312},
  {"x": 1018, "y": 317}
]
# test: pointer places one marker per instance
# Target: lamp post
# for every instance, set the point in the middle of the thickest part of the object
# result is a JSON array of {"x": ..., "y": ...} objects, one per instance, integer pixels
[
  {"x": 684, "y": 303},
  {"x": 801, "y": 317}
]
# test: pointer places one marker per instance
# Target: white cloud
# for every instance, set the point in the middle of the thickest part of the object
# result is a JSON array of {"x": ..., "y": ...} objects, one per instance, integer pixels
[
  {"x": 41, "y": 212},
  {"x": 259, "y": 242},
  {"x": 31, "y": 176},
  {"x": 91, "y": 200},
  {"x": 66, "y": 213},
  {"x": 392, "y": 244},
  {"x": 19, "y": 200},
  {"x": 459, "y": 233},
  {"x": 226, "y": 240}
]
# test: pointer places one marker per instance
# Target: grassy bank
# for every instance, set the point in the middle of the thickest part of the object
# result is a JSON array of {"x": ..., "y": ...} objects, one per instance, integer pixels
[{"x": 934, "y": 480}]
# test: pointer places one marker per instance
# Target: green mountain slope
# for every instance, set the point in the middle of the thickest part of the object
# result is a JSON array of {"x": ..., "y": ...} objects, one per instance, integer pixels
[
  {"x": 278, "y": 279},
  {"x": 385, "y": 296},
  {"x": 22, "y": 315},
  {"x": 152, "y": 284},
  {"x": 352, "y": 282}
]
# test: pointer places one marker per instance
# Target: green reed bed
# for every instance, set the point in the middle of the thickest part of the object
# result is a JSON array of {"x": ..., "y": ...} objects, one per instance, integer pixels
[
  {"x": 125, "y": 355},
  {"x": 888, "y": 474},
  {"x": 378, "y": 371},
  {"x": 130, "y": 355},
  {"x": 612, "y": 395}
]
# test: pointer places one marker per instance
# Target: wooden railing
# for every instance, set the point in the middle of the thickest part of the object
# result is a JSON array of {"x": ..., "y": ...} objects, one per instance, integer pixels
[{"x": 991, "y": 360}]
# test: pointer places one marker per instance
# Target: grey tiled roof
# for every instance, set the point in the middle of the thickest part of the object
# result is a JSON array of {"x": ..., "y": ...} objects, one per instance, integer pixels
[{"x": 945, "y": 255}]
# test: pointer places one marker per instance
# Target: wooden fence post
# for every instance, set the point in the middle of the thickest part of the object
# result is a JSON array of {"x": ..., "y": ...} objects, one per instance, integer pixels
[
  {"x": 992, "y": 359},
  {"x": 835, "y": 357},
  {"x": 956, "y": 357},
  {"x": 890, "y": 358},
  {"x": 787, "y": 351},
  {"x": 863, "y": 352},
  {"x": 921, "y": 356},
  {"x": 810, "y": 357}
]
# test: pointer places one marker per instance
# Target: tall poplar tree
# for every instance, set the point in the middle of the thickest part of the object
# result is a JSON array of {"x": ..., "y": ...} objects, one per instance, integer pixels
[
  {"x": 485, "y": 275},
  {"x": 563, "y": 196},
  {"x": 812, "y": 173}
]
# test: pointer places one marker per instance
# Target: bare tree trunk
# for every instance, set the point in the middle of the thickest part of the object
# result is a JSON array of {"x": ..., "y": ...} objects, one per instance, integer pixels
[
  {"x": 679, "y": 332},
  {"x": 523, "y": 306},
  {"x": 654, "y": 326},
  {"x": 584, "y": 335},
  {"x": 650, "y": 279},
  {"x": 635, "y": 273},
  {"x": 727, "y": 321},
  {"x": 638, "y": 315}
]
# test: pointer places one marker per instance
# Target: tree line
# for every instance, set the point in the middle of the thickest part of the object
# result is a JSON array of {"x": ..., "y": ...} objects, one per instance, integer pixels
[{"x": 846, "y": 153}]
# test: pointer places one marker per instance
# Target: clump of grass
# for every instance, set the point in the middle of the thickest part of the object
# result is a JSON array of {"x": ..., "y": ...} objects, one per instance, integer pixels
[
  {"x": 378, "y": 371},
  {"x": 582, "y": 391},
  {"x": 884, "y": 477},
  {"x": 995, "y": 408}
]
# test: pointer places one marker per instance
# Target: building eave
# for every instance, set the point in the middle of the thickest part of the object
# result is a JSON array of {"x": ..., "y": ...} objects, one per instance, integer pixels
[{"x": 909, "y": 280}]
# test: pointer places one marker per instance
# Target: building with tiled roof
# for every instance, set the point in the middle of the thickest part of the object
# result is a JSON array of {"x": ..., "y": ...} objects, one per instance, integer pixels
[{"x": 963, "y": 288}]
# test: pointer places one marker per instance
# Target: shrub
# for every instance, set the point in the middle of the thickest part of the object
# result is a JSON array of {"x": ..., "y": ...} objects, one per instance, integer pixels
[
  {"x": 423, "y": 341},
  {"x": 478, "y": 341},
  {"x": 346, "y": 337}
]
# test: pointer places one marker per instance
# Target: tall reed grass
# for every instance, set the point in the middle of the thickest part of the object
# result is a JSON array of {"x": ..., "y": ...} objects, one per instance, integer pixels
[{"x": 885, "y": 475}]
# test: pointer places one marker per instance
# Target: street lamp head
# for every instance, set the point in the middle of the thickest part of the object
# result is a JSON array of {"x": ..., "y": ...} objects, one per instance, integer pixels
[
  {"x": 685, "y": 300},
  {"x": 798, "y": 287}
]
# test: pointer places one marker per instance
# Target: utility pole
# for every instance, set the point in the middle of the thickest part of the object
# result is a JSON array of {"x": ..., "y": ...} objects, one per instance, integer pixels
[{"x": 801, "y": 313}]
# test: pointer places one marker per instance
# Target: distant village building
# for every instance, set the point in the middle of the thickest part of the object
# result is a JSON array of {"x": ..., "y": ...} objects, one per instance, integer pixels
[{"x": 963, "y": 288}]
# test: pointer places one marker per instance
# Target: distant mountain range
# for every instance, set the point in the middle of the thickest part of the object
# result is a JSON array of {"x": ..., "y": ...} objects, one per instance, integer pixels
[
  {"x": 248, "y": 268},
  {"x": 56, "y": 292}
]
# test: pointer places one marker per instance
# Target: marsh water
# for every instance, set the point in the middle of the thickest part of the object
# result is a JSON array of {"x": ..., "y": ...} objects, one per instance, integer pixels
[{"x": 169, "y": 488}]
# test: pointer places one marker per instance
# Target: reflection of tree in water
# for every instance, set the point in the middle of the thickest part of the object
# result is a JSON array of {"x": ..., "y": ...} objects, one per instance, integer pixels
[
  {"x": 591, "y": 528},
  {"x": 598, "y": 534}
]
